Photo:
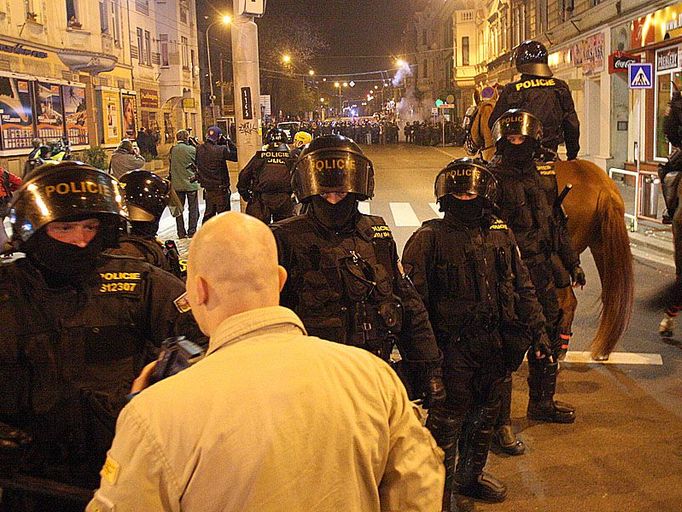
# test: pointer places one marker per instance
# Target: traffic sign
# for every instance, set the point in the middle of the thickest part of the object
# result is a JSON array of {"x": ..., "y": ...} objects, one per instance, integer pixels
[{"x": 640, "y": 75}]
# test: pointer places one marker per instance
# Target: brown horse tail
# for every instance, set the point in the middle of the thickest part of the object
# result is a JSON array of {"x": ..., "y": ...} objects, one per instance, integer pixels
[{"x": 616, "y": 273}]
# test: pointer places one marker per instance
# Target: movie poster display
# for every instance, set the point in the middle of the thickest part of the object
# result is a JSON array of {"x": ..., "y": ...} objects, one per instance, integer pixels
[
  {"x": 16, "y": 113},
  {"x": 111, "y": 104},
  {"x": 49, "y": 111},
  {"x": 129, "y": 116},
  {"x": 75, "y": 107}
]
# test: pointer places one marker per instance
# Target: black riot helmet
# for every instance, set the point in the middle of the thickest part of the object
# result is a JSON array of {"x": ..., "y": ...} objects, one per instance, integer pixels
[
  {"x": 276, "y": 136},
  {"x": 517, "y": 122},
  {"x": 333, "y": 163},
  {"x": 466, "y": 176},
  {"x": 67, "y": 191},
  {"x": 146, "y": 195},
  {"x": 531, "y": 57}
]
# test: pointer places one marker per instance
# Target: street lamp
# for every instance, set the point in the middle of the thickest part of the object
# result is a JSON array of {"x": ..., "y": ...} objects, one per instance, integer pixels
[
  {"x": 225, "y": 20},
  {"x": 286, "y": 59}
]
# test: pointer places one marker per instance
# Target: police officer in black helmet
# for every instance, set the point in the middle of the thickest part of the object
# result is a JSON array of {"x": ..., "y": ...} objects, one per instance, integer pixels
[
  {"x": 545, "y": 96},
  {"x": 146, "y": 196},
  {"x": 265, "y": 182},
  {"x": 345, "y": 279},
  {"x": 527, "y": 202},
  {"x": 484, "y": 313},
  {"x": 77, "y": 326}
]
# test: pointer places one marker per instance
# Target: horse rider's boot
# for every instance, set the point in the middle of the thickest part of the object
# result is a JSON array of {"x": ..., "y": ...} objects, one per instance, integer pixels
[
  {"x": 667, "y": 326},
  {"x": 504, "y": 437},
  {"x": 541, "y": 388},
  {"x": 669, "y": 184},
  {"x": 444, "y": 429},
  {"x": 474, "y": 443}
]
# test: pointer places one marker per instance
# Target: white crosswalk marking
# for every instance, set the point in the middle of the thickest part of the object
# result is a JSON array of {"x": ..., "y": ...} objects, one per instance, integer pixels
[
  {"x": 403, "y": 215},
  {"x": 434, "y": 207},
  {"x": 615, "y": 358}
]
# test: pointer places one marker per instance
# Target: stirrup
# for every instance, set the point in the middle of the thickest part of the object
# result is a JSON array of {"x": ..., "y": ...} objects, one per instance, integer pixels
[{"x": 666, "y": 327}]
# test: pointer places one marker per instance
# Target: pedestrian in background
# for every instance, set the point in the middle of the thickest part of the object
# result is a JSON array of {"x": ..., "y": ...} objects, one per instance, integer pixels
[
  {"x": 212, "y": 156},
  {"x": 271, "y": 419},
  {"x": 125, "y": 158},
  {"x": 183, "y": 159}
]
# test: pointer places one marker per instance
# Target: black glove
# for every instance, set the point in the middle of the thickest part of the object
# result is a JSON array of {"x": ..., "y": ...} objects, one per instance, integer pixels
[
  {"x": 578, "y": 276},
  {"x": 542, "y": 346},
  {"x": 572, "y": 156},
  {"x": 246, "y": 195},
  {"x": 435, "y": 390}
]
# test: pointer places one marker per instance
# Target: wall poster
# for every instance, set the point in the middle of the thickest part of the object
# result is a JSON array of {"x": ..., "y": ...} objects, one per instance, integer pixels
[
  {"x": 75, "y": 107},
  {"x": 16, "y": 113},
  {"x": 49, "y": 111}
]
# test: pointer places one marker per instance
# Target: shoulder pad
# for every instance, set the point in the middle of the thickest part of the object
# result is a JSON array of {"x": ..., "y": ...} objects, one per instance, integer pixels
[
  {"x": 498, "y": 224},
  {"x": 374, "y": 226}
]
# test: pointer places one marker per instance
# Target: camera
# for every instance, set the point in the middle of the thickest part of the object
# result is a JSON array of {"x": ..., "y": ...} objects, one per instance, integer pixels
[{"x": 177, "y": 354}]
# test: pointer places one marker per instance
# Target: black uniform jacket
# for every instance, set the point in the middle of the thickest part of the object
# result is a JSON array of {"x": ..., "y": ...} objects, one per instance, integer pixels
[{"x": 548, "y": 99}]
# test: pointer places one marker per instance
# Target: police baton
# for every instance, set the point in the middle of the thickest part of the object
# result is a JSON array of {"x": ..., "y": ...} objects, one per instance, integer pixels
[{"x": 560, "y": 198}]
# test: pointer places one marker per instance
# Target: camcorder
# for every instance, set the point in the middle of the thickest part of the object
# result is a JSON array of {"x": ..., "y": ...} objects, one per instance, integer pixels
[{"x": 177, "y": 354}]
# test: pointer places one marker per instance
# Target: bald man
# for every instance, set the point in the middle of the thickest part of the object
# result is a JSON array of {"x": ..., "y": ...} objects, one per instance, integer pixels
[{"x": 271, "y": 419}]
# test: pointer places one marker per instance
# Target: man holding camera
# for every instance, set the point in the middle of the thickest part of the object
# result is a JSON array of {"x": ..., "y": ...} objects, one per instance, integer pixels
[
  {"x": 212, "y": 171},
  {"x": 271, "y": 419},
  {"x": 77, "y": 327}
]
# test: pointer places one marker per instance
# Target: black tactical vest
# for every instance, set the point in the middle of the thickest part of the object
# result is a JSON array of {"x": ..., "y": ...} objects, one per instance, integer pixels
[{"x": 342, "y": 286}]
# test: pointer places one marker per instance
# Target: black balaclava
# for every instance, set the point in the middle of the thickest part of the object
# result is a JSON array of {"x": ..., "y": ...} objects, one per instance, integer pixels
[
  {"x": 469, "y": 212},
  {"x": 144, "y": 229},
  {"x": 337, "y": 217},
  {"x": 62, "y": 263},
  {"x": 519, "y": 155}
]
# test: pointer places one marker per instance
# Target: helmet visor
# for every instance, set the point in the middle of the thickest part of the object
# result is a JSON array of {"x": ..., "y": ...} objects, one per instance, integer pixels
[
  {"x": 468, "y": 179},
  {"x": 517, "y": 123},
  {"x": 63, "y": 194},
  {"x": 335, "y": 171}
]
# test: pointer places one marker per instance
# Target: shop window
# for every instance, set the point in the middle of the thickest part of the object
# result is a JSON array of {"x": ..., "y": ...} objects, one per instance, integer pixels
[
  {"x": 163, "y": 50},
  {"x": 465, "y": 51},
  {"x": 664, "y": 89}
]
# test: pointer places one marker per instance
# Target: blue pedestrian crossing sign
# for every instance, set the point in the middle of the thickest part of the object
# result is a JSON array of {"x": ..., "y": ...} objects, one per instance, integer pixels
[{"x": 640, "y": 75}]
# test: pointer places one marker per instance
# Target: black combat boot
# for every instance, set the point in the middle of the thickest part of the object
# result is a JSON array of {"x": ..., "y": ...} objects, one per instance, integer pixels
[
  {"x": 541, "y": 387},
  {"x": 444, "y": 429},
  {"x": 474, "y": 443},
  {"x": 504, "y": 437}
]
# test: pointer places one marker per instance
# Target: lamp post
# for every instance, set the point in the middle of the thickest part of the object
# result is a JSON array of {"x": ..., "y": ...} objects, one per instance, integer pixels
[{"x": 225, "y": 20}]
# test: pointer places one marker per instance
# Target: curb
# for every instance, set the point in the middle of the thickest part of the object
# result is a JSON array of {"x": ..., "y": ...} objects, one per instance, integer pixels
[{"x": 650, "y": 242}]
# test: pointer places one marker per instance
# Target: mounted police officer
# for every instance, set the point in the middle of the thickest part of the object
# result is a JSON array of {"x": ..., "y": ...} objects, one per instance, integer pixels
[
  {"x": 546, "y": 97},
  {"x": 77, "y": 325},
  {"x": 345, "y": 279},
  {"x": 528, "y": 203},
  {"x": 484, "y": 313},
  {"x": 265, "y": 182}
]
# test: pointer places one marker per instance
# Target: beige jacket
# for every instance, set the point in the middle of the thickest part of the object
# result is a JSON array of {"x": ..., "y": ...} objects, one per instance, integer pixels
[{"x": 273, "y": 420}]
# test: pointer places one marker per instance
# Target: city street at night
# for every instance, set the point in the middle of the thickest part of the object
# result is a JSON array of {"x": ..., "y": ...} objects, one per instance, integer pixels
[{"x": 624, "y": 452}]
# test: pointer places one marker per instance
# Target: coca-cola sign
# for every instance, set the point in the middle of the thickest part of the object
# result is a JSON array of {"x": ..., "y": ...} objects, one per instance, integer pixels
[{"x": 618, "y": 62}]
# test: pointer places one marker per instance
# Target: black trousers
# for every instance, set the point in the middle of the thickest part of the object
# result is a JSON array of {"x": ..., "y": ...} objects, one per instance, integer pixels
[{"x": 217, "y": 201}]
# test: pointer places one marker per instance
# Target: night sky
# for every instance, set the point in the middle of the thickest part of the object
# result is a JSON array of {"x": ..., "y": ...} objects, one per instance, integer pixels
[{"x": 351, "y": 27}]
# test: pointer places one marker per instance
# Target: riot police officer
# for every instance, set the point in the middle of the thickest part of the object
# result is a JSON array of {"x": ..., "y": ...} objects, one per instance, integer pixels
[
  {"x": 543, "y": 95},
  {"x": 300, "y": 140},
  {"x": 526, "y": 203},
  {"x": 77, "y": 324},
  {"x": 146, "y": 196},
  {"x": 265, "y": 182},
  {"x": 484, "y": 313},
  {"x": 345, "y": 280}
]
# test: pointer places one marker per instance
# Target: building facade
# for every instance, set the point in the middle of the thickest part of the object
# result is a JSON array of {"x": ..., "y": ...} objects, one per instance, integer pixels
[{"x": 94, "y": 71}]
